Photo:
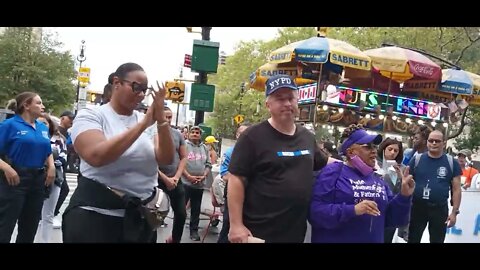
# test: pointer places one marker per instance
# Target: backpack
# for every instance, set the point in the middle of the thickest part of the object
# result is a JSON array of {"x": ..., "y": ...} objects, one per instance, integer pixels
[
  {"x": 450, "y": 162},
  {"x": 449, "y": 157}
]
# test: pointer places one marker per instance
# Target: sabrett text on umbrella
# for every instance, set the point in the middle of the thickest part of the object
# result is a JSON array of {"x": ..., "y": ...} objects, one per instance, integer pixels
[
  {"x": 269, "y": 73},
  {"x": 280, "y": 56},
  {"x": 349, "y": 60},
  {"x": 420, "y": 85}
]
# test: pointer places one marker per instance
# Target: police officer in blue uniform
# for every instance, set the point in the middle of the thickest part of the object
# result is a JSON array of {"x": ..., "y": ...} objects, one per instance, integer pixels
[{"x": 25, "y": 151}]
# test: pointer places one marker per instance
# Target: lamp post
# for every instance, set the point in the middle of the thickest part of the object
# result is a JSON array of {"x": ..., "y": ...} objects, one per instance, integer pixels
[
  {"x": 242, "y": 89},
  {"x": 80, "y": 58}
]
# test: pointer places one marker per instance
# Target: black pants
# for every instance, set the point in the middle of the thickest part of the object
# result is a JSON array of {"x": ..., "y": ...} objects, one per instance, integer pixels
[
  {"x": 388, "y": 235},
  {"x": 423, "y": 213},
  {"x": 195, "y": 197},
  {"x": 22, "y": 203},
  {"x": 223, "y": 235},
  {"x": 177, "y": 202},
  {"x": 85, "y": 226},
  {"x": 64, "y": 190}
]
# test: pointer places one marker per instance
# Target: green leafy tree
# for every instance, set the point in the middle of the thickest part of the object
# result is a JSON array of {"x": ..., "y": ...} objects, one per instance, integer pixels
[
  {"x": 471, "y": 139},
  {"x": 248, "y": 57},
  {"x": 30, "y": 62}
]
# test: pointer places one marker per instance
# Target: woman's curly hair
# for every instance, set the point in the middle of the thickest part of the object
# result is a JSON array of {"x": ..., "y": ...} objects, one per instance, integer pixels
[
  {"x": 424, "y": 131},
  {"x": 350, "y": 129}
]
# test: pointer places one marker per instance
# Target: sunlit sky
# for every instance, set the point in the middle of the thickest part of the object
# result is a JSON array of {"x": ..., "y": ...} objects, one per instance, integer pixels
[{"x": 159, "y": 50}]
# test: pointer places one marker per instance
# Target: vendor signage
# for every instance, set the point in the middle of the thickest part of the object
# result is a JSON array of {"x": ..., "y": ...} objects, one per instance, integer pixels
[
  {"x": 307, "y": 93},
  {"x": 352, "y": 97}
]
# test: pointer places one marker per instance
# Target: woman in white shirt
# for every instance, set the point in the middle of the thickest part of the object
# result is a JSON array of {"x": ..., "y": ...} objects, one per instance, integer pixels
[{"x": 119, "y": 160}]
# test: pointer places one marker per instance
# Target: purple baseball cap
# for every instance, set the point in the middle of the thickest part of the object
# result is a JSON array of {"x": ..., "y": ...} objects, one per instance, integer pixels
[{"x": 360, "y": 136}]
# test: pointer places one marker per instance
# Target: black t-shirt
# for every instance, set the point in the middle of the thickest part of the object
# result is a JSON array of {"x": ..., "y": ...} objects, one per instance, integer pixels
[{"x": 278, "y": 180}]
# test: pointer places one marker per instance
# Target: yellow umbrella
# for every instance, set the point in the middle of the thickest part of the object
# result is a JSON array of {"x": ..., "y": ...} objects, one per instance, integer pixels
[
  {"x": 476, "y": 81},
  {"x": 321, "y": 50},
  {"x": 260, "y": 76}
]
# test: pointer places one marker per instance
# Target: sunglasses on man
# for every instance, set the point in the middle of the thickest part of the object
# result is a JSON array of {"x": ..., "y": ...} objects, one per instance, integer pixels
[{"x": 434, "y": 141}]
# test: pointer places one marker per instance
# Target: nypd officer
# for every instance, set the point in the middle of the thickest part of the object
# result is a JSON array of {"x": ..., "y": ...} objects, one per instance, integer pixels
[{"x": 24, "y": 151}]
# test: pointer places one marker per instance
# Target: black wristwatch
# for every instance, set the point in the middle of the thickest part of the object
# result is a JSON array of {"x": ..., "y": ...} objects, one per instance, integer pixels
[{"x": 457, "y": 212}]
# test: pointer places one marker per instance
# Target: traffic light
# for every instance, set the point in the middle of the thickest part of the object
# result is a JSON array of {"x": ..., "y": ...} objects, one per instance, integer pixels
[
  {"x": 187, "y": 62},
  {"x": 94, "y": 97},
  {"x": 222, "y": 59},
  {"x": 175, "y": 91}
]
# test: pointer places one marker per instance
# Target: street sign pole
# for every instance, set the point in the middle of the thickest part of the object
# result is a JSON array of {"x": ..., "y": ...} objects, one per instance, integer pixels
[
  {"x": 202, "y": 76},
  {"x": 81, "y": 58}
]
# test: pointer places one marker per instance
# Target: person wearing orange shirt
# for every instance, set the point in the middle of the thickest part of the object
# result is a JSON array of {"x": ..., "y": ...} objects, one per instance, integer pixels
[{"x": 464, "y": 158}]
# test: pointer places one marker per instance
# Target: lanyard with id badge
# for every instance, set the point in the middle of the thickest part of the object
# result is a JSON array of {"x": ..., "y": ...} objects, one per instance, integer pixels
[{"x": 426, "y": 191}]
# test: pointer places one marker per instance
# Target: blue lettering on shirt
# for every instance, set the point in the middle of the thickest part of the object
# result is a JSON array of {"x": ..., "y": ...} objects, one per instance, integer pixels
[{"x": 294, "y": 154}]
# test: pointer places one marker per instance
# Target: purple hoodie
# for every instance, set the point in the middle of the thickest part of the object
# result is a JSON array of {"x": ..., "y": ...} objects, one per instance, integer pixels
[{"x": 332, "y": 211}]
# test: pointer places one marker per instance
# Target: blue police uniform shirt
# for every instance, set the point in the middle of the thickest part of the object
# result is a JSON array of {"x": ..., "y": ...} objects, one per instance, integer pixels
[
  {"x": 226, "y": 161},
  {"x": 23, "y": 144},
  {"x": 435, "y": 172}
]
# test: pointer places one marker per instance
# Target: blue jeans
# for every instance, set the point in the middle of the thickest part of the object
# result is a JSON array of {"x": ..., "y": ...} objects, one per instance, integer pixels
[{"x": 22, "y": 203}]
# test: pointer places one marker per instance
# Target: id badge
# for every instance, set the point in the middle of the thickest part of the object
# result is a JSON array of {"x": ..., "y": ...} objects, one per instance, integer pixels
[{"x": 426, "y": 193}]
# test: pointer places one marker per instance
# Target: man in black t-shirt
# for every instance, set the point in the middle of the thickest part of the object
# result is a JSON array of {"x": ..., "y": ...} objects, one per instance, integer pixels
[{"x": 271, "y": 172}]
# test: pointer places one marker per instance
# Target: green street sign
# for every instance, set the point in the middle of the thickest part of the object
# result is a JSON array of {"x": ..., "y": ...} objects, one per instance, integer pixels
[
  {"x": 206, "y": 131},
  {"x": 202, "y": 97},
  {"x": 205, "y": 56}
]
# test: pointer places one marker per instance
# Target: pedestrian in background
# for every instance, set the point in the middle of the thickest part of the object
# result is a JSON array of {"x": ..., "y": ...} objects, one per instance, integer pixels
[
  {"x": 59, "y": 152},
  {"x": 27, "y": 168},
  {"x": 194, "y": 176},
  {"x": 169, "y": 181}
]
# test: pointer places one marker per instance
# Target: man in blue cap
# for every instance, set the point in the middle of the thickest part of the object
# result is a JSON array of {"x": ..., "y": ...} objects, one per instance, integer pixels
[{"x": 271, "y": 172}]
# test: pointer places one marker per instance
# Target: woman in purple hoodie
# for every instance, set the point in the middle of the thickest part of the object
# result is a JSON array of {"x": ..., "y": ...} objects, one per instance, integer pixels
[{"x": 350, "y": 202}]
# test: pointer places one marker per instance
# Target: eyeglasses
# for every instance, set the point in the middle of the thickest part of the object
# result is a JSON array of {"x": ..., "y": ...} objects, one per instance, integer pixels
[
  {"x": 137, "y": 87},
  {"x": 434, "y": 141},
  {"x": 368, "y": 146},
  {"x": 195, "y": 132}
]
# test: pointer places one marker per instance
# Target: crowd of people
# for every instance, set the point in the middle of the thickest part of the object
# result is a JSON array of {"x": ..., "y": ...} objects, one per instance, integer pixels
[{"x": 134, "y": 165}]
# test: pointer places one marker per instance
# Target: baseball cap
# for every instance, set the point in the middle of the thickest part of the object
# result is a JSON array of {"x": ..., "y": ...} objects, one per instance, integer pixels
[
  {"x": 465, "y": 152},
  {"x": 195, "y": 127},
  {"x": 277, "y": 82},
  {"x": 69, "y": 114},
  {"x": 360, "y": 136}
]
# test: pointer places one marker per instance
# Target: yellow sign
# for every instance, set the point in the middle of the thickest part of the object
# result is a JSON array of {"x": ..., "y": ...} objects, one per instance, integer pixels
[
  {"x": 239, "y": 118},
  {"x": 175, "y": 91},
  {"x": 322, "y": 31},
  {"x": 84, "y": 74}
]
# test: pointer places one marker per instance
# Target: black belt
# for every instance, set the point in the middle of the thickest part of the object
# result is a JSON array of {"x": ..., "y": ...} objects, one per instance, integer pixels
[
  {"x": 28, "y": 170},
  {"x": 429, "y": 203}
]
